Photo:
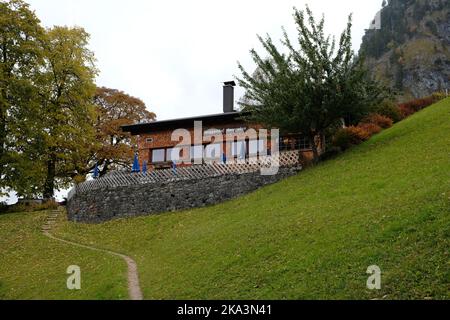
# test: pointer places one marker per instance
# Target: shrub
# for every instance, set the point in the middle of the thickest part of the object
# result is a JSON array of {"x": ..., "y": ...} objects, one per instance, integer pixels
[
  {"x": 378, "y": 120},
  {"x": 389, "y": 109},
  {"x": 438, "y": 96},
  {"x": 348, "y": 137},
  {"x": 405, "y": 111},
  {"x": 413, "y": 106},
  {"x": 49, "y": 205},
  {"x": 22, "y": 207},
  {"x": 330, "y": 153},
  {"x": 370, "y": 128},
  {"x": 422, "y": 103},
  {"x": 3, "y": 207}
]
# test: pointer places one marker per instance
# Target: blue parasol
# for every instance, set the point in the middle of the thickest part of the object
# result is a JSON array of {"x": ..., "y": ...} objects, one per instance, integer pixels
[
  {"x": 136, "y": 167},
  {"x": 174, "y": 168},
  {"x": 144, "y": 167},
  {"x": 96, "y": 171}
]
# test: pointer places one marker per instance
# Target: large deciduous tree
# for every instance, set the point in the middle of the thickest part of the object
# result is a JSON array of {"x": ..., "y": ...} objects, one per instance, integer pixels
[
  {"x": 67, "y": 114},
  {"x": 55, "y": 125},
  {"x": 20, "y": 59},
  {"x": 115, "y": 109},
  {"x": 308, "y": 89}
]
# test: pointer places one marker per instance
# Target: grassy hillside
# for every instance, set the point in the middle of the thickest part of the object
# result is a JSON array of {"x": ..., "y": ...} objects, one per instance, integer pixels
[
  {"x": 386, "y": 202},
  {"x": 34, "y": 267}
]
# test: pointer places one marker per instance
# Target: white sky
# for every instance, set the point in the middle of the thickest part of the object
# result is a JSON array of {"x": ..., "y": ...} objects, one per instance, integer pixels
[{"x": 174, "y": 55}]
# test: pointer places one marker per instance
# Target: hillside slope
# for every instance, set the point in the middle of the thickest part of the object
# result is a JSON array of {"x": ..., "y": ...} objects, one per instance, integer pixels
[
  {"x": 411, "y": 51},
  {"x": 385, "y": 203},
  {"x": 33, "y": 267}
]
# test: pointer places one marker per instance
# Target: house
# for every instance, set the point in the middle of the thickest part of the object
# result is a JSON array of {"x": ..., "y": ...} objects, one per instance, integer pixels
[{"x": 206, "y": 138}]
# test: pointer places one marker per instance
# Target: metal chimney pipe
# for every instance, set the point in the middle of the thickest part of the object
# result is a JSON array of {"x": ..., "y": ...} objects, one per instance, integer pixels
[{"x": 228, "y": 96}]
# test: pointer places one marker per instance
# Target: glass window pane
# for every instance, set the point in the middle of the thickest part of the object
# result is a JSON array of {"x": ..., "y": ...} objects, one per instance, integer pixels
[
  {"x": 239, "y": 149},
  {"x": 197, "y": 152},
  {"x": 213, "y": 152},
  {"x": 173, "y": 154},
  {"x": 253, "y": 146},
  {"x": 262, "y": 146},
  {"x": 158, "y": 155}
]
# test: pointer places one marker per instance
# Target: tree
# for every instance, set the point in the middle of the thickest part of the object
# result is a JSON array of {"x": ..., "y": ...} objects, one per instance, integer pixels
[
  {"x": 115, "y": 109},
  {"x": 66, "y": 117},
  {"x": 20, "y": 58},
  {"x": 309, "y": 89}
]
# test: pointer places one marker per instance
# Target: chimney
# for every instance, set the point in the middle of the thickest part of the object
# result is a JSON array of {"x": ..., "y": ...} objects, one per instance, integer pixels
[{"x": 228, "y": 96}]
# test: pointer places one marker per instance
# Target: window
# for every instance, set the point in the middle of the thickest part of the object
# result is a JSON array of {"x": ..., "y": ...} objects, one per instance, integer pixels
[
  {"x": 239, "y": 149},
  {"x": 213, "y": 152},
  {"x": 287, "y": 144},
  {"x": 174, "y": 154},
  {"x": 303, "y": 143},
  {"x": 158, "y": 155},
  {"x": 294, "y": 143},
  {"x": 257, "y": 146},
  {"x": 197, "y": 152}
]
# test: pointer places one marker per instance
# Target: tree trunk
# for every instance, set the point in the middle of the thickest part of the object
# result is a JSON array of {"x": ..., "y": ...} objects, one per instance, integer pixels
[
  {"x": 105, "y": 169},
  {"x": 49, "y": 186},
  {"x": 2, "y": 131},
  {"x": 315, "y": 150},
  {"x": 2, "y": 137}
]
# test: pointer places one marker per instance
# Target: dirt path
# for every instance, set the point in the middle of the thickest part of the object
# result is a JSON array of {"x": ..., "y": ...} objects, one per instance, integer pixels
[{"x": 134, "y": 290}]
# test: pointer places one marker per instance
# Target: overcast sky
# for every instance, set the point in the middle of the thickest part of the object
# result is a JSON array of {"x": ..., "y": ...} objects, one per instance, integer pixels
[{"x": 174, "y": 55}]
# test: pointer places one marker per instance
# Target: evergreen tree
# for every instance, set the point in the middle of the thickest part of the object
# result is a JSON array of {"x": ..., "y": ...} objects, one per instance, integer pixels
[{"x": 309, "y": 89}]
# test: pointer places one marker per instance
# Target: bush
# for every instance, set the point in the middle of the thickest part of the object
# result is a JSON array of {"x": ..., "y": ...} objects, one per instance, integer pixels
[
  {"x": 378, "y": 120},
  {"x": 413, "y": 106},
  {"x": 3, "y": 207},
  {"x": 405, "y": 111},
  {"x": 330, "y": 153},
  {"x": 438, "y": 96},
  {"x": 389, "y": 109},
  {"x": 22, "y": 207},
  {"x": 348, "y": 137},
  {"x": 370, "y": 128},
  {"x": 419, "y": 104}
]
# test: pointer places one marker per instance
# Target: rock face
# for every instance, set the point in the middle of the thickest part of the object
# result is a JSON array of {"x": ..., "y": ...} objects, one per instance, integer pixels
[
  {"x": 411, "y": 51},
  {"x": 153, "y": 198}
]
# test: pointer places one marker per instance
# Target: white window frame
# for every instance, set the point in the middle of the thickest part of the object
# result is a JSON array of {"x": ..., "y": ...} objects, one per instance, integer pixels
[{"x": 159, "y": 151}]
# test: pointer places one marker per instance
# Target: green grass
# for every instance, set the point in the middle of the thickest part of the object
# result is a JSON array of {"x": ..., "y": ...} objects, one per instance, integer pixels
[
  {"x": 34, "y": 267},
  {"x": 313, "y": 236},
  {"x": 385, "y": 202}
]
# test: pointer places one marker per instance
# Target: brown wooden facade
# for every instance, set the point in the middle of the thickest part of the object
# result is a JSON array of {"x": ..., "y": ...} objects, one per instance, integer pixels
[{"x": 155, "y": 145}]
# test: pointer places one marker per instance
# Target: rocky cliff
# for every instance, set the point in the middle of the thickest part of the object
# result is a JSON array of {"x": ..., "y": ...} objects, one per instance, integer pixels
[{"x": 410, "y": 50}]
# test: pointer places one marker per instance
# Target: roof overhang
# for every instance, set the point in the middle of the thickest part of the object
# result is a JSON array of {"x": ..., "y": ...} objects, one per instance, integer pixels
[{"x": 182, "y": 123}]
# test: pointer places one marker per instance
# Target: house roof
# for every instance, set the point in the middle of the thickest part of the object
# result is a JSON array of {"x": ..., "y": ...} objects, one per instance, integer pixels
[{"x": 208, "y": 120}]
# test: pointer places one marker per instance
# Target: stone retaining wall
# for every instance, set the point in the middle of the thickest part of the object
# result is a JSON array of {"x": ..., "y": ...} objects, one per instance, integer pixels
[{"x": 153, "y": 198}]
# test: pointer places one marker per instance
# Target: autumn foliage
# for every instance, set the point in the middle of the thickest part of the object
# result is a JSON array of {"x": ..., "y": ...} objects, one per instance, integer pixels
[
  {"x": 115, "y": 148},
  {"x": 378, "y": 120},
  {"x": 413, "y": 106},
  {"x": 348, "y": 137},
  {"x": 370, "y": 128}
]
